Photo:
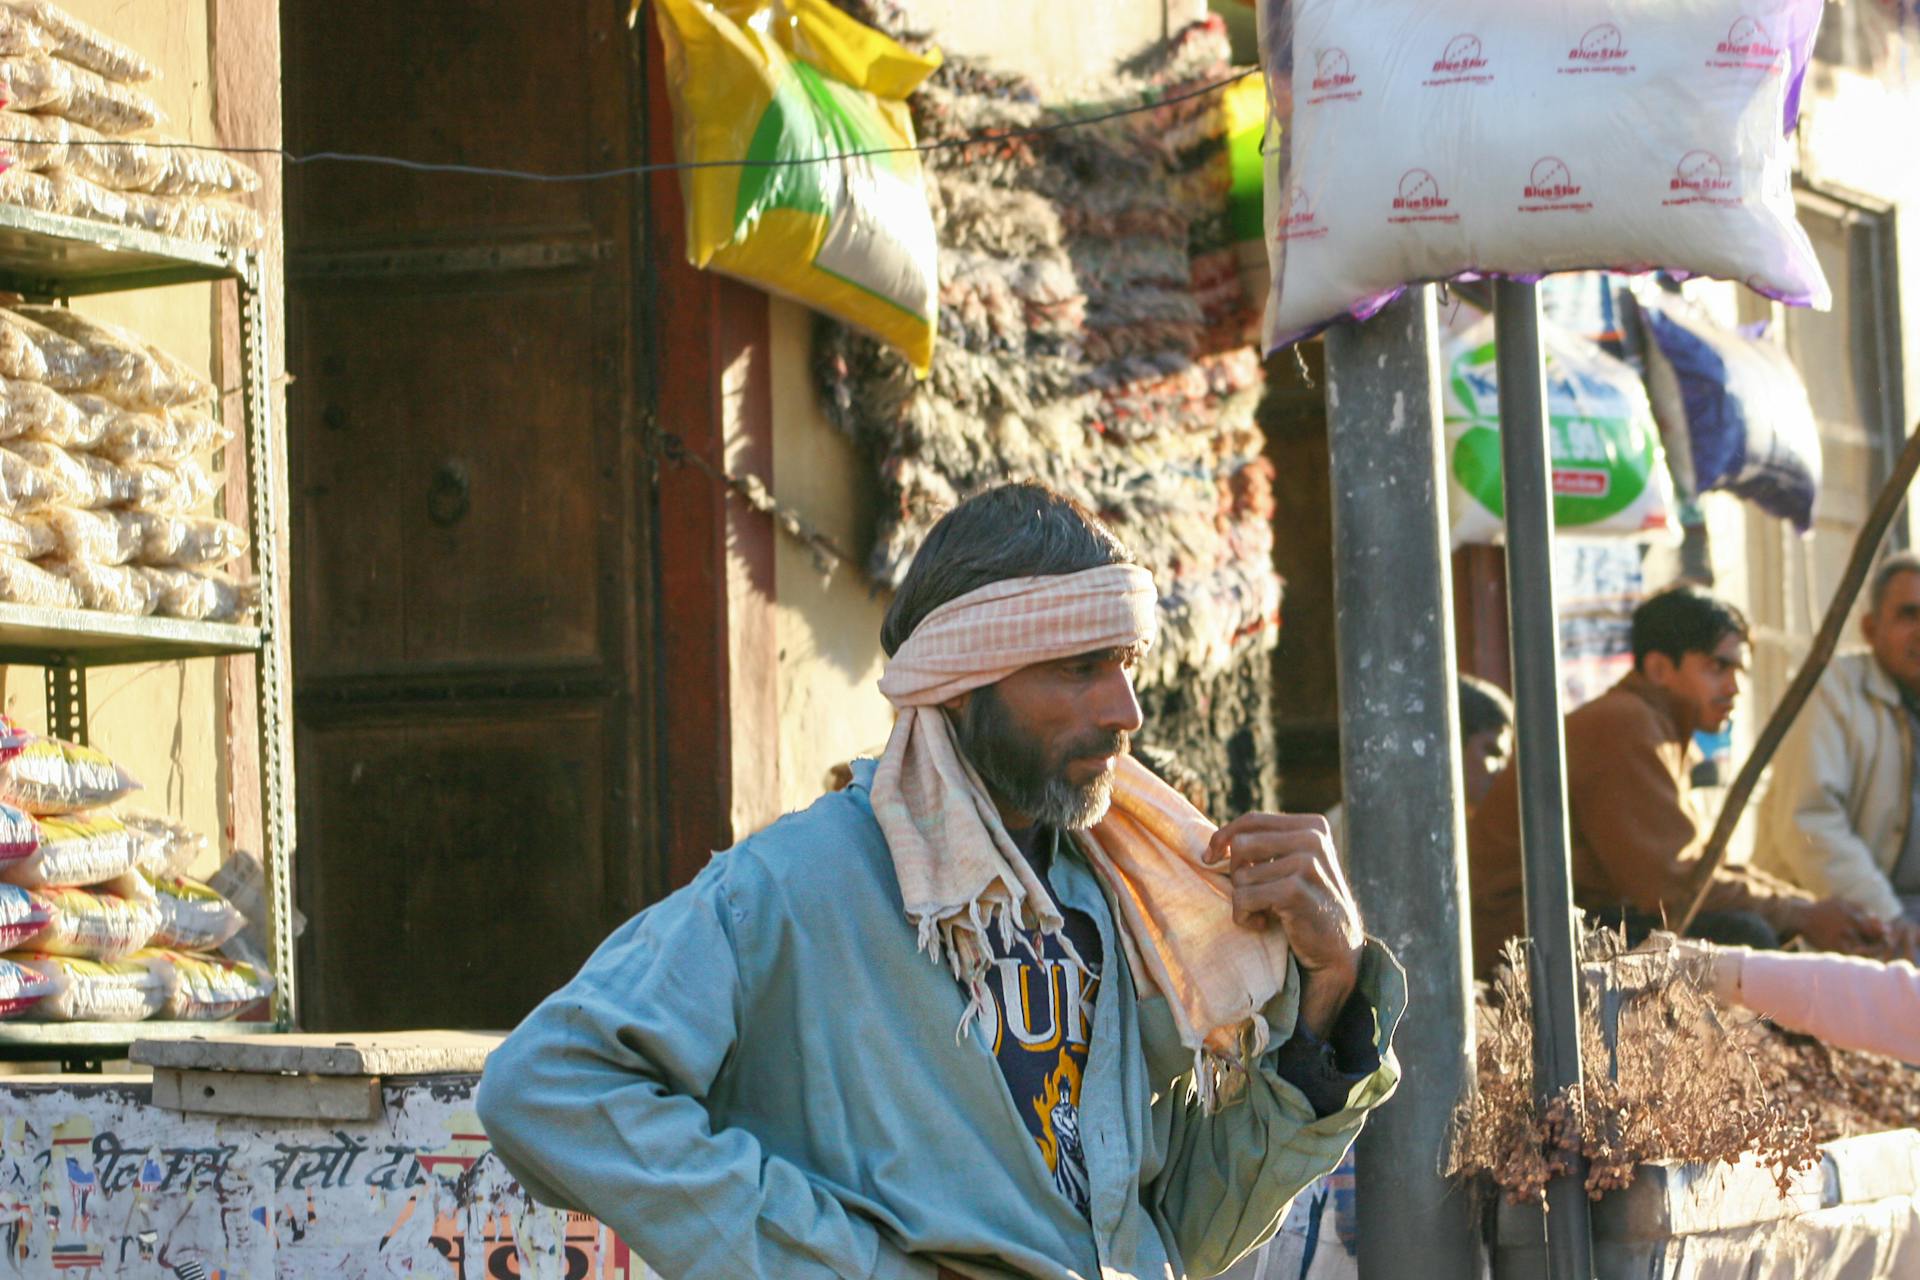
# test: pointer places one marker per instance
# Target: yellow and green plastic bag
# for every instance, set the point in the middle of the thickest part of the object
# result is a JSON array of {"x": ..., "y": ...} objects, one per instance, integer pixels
[{"x": 780, "y": 84}]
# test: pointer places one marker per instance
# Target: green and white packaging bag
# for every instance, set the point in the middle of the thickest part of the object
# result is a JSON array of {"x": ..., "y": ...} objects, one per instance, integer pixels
[{"x": 1609, "y": 471}]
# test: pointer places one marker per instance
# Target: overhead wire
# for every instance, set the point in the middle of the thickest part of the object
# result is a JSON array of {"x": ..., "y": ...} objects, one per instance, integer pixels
[
  {"x": 982, "y": 137},
  {"x": 750, "y": 489}
]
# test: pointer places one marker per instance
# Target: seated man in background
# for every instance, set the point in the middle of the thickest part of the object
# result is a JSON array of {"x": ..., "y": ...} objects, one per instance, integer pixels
[
  {"x": 1635, "y": 841},
  {"x": 1838, "y": 817},
  {"x": 1486, "y": 736}
]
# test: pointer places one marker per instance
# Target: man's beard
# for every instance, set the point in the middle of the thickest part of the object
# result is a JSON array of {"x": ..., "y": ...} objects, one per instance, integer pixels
[{"x": 1016, "y": 769}]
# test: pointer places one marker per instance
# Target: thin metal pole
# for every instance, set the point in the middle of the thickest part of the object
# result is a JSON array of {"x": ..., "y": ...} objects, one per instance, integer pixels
[
  {"x": 1527, "y": 485},
  {"x": 1400, "y": 772}
]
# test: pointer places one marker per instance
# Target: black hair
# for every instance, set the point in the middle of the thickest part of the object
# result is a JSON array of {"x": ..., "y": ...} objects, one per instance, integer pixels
[
  {"x": 1892, "y": 567},
  {"x": 1019, "y": 530},
  {"x": 1484, "y": 707},
  {"x": 1683, "y": 620}
]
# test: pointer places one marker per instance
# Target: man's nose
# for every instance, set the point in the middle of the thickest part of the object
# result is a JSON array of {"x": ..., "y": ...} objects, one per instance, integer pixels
[{"x": 1118, "y": 710}]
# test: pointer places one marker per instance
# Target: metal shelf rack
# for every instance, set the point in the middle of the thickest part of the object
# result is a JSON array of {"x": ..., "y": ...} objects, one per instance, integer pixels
[{"x": 46, "y": 258}]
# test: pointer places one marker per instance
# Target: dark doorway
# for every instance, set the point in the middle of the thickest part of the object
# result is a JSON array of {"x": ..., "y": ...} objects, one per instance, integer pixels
[{"x": 470, "y": 535}]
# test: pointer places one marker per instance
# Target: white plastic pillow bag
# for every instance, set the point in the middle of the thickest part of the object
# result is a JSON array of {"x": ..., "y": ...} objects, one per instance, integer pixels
[{"x": 1429, "y": 139}]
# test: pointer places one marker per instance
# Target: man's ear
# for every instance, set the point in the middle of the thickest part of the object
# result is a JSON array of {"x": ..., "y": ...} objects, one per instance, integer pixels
[
  {"x": 1867, "y": 627},
  {"x": 958, "y": 703},
  {"x": 1658, "y": 667}
]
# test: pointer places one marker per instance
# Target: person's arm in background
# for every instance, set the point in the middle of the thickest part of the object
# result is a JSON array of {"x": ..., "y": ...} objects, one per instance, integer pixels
[{"x": 1846, "y": 1001}]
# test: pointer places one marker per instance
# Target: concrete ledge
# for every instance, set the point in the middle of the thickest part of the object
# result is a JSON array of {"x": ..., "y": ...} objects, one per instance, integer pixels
[
  {"x": 400, "y": 1053},
  {"x": 268, "y": 1097},
  {"x": 1878, "y": 1166},
  {"x": 1706, "y": 1222},
  {"x": 1668, "y": 1200}
]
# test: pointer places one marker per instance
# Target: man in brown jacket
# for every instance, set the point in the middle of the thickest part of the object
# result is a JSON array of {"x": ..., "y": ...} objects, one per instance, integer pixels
[{"x": 1635, "y": 840}]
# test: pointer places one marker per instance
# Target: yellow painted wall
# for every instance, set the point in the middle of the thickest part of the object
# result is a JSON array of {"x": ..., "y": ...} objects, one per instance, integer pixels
[
  {"x": 827, "y": 626},
  {"x": 162, "y": 722}
]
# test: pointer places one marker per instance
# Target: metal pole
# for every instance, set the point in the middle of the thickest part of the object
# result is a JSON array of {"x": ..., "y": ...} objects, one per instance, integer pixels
[
  {"x": 1527, "y": 483},
  {"x": 1400, "y": 772}
]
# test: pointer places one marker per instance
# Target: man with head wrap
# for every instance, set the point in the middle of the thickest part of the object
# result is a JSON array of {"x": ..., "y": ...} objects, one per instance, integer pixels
[{"x": 1004, "y": 1006}]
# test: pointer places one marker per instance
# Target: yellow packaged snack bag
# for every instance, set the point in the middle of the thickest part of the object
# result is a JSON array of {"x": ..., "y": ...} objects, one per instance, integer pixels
[
  {"x": 202, "y": 988},
  {"x": 193, "y": 916},
  {"x": 47, "y": 777},
  {"x": 781, "y": 84}
]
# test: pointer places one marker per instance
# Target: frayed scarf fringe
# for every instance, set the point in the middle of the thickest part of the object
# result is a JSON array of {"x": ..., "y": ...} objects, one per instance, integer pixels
[
  {"x": 958, "y": 939},
  {"x": 1219, "y": 1079}
]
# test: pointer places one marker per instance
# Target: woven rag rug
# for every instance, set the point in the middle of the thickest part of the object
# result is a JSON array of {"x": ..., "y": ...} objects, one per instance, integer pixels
[{"x": 1094, "y": 335}]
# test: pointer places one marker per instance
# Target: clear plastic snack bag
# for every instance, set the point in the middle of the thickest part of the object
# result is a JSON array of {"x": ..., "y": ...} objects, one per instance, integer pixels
[
  {"x": 119, "y": 364},
  {"x": 61, "y": 33},
  {"x": 35, "y": 411},
  {"x": 162, "y": 846},
  {"x": 26, "y": 583},
  {"x": 201, "y": 595},
  {"x": 72, "y": 533},
  {"x": 187, "y": 542},
  {"x": 25, "y": 537},
  {"x": 108, "y": 588},
  {"x": 36, "y": 82}
]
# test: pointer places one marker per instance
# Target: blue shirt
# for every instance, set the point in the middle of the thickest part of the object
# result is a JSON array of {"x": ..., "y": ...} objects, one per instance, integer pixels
[{"x": 759, "y": 1077}]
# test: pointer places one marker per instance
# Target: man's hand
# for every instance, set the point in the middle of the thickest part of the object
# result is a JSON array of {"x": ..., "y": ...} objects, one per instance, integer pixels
[
  {"x": 1903, "y": 940},
  {"x": 1284, "y": 872},
  {"x": 1834, "y": 924}
]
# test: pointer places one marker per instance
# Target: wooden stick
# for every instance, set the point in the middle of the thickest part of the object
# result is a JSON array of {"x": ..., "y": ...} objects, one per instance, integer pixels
[{"x": 1865, "y": 547}]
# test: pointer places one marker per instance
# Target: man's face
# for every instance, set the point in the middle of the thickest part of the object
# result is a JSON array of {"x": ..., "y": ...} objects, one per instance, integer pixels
[
  {"x": 1482, "y": 758},
  {"x": 1707, "y": 684},
  {"x": 1044, "y": 739},
  {"x": 1894, "y": 631}
]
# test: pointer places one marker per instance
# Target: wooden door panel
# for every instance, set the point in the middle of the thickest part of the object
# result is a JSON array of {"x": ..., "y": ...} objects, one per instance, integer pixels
[
  {"x": 471, "y": 571},
  {"x": 456, "y": 860},
  {"x": 494, "y": 83},
  {"x": 449, "y": 503}
]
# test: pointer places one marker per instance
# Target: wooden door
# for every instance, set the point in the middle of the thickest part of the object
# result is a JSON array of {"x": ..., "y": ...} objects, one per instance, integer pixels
[{"x": 470, "y": 538}]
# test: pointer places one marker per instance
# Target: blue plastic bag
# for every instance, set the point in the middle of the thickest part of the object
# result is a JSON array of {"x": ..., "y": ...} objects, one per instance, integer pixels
[{"x": 1733, "y": 412}]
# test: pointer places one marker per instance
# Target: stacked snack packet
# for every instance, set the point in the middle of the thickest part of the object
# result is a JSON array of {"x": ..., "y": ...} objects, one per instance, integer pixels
[
  {"x": 77, "y": 137},
  {"x": 102, "y": 437},
  {"x": 97, "y": 918}
]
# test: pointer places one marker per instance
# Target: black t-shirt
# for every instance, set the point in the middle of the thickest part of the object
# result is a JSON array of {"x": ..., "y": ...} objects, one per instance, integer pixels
[{"x": 1043, "y": 1024}]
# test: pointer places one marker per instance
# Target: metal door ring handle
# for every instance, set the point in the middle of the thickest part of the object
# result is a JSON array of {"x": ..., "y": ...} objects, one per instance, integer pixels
[{"x": 449, "y": 497}]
